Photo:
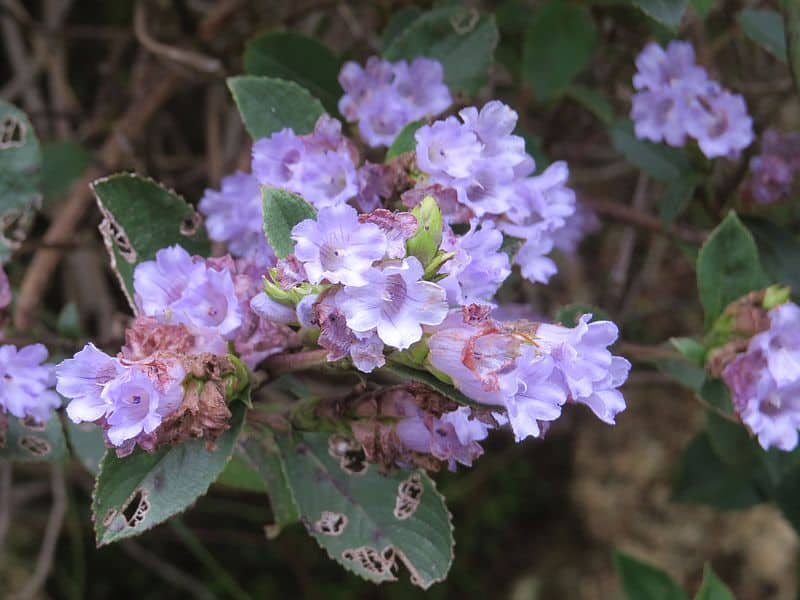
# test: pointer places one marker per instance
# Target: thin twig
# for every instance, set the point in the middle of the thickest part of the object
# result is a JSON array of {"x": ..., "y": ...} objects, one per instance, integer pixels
[
  {"x": 619, "y": 272},
  {"x": 189, "y": 58},
  {"x": 44, "y": 562},
  {"x": 6, "y": 481}
]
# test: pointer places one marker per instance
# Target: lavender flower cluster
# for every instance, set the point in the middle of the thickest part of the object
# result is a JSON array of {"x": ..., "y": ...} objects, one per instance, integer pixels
[
  {"x": 676, "y": 100},
  {"x": 383, "y": 97},
  {"x": 480, "y": 173},
  {"x": 765, "y": 380},
  {"x": 26, "y": 383},
  {"x": 773, "y": 171},
  {"x": 531, "y": 369},
  {"x": 191, "y": 310}
]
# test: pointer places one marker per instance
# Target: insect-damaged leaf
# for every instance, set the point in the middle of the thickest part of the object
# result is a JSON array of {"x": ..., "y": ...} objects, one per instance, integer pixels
[
  {"x": 368, "y": 522},
  {"x": 136, "y": 493},
  {"x": 27, "y": 441},
  {"x": 20, "y": 174},
  {"x": 140, "y": 218}
]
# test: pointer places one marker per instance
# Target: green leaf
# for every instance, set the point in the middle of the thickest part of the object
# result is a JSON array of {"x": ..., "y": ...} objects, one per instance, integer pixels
[
  {"x": 404, "y": 142},
  {"x": 594, "y": 101},
  {"x": 703, "y": 478},
  {"x": 728, "y": 267},
  {"x": 659, "y": 161},
  {"x": 690, "y": 348},
  {"x": 367, "y": 521},
  {"x": 296, "y": 57},
  {"x": 765, "y": 28},
  {"x": 26, "y": 441},
  {"x": 261, "y": 452},
  {"x": 405, "y": 373},
  {"x": 683, "y": 372},
  {"x": 398, "y": 23},
  {"x": 641, "y": 581},
  {"x": 424, "y": 244},
  {"x": 62, "y": 165},
  {"x": 86, "y": 441},
  {"x": 667, "y": 12},
  {"x": 282, "y": 211},
  {"x": 136, "y": 493},
  {"x": 240, "y": 475},
  {"x": 268, "y": 105},
  {"x": 786, "y": 497},
  {"x": 779, "y": 251},
  {"x": 712, "y": 587},
  {"x": 676, "y": 197},
  {"x": 140, "y": 218},
  {"x": 20, "y": 173},
  {"x": 462, "y": 39},
  {"x": 557, "y": 46},
  {"x": 702, "y": 7}
]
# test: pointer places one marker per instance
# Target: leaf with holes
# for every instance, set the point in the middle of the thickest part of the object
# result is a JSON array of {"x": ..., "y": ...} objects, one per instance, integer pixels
[
  {"x": 136, "y": 493},
  {"x": 27, "y": 441},
  {"x": 282, "y": 211},
  {"x": 140, "y": 218},
  {"x": 296, "y": 57},
  {"x": 269, "y": 104},
  {"x": 20, "y": 174},
  {"x": 260, "y": 450},
  {"x": 368, "y": 522},
  {"x": 728, "y": 267},
  {"x": 462, "y": 39}
]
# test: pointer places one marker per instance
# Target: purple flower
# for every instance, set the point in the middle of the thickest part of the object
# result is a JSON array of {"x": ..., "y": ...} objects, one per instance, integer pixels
[
  {"x": 272, "y": 310},
  {"x": 765, "y": 380},
  {"x": 177, "y": 288},
  {"x": 773, "y": 171},
  {"x": 398, "y": 227},
  {"x": 26, "y": 383},
  {"x": 83, "y": 378},
  {"x": 366, "y": 352},
  {"x": 138, "y": 406},
  {"x": 384, "y": 97},
  {"x": 337, "y": 247},
  {"x": 234, "y": 215},
  {"x": 478, "y": 268},
  {"x": 721, "y": 123},
  {"x": 319, "y": 166},
  {"x": 447, "y": 149},
  {"x": 676, "y": 99},
  {"x": 395, "y": 302}
]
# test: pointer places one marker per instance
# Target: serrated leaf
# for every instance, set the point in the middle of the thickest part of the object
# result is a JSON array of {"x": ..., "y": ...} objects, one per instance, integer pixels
[
  {"x": 765, "y": 28},
  {"x": 296, "y": 57},
  {"x": 86, "y": 441},
  {"x": 27, "y": 442},
  {"x": 703, "y": 478},
  {"x": 712, "y": 587},
  {"x": 404, "y": 142},
  {"x": 405, "y": 373},
  {"x": 62, "y": 165},
  {"x": 656, "y": 160},
  {"x": 261, "y": 452},
  {"x": 728, "y": 267},
  {"x": 20, "y": 175},
  {"x": 558, "y": 45},
  {"x": 282, "y": 211},
  {"x": 642, "y": 581},
  {"x": 140, "y": 218},
  {"x": 135, "y": 493},
  {"x": 269, "y": 104},
  {"x": 462, "y": 39},
  {"x": 366, "y": 521},
  {"x": 667, "y": 12}
]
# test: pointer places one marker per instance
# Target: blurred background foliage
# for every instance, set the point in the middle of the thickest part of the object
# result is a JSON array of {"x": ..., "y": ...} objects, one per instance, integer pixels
[{"x": 536, "y": 520}]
